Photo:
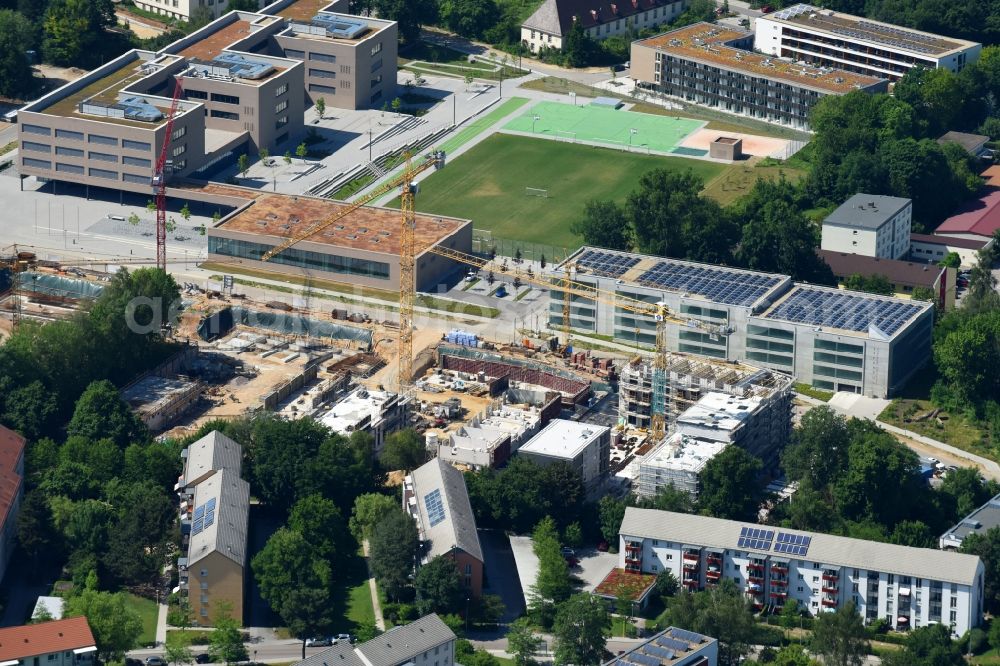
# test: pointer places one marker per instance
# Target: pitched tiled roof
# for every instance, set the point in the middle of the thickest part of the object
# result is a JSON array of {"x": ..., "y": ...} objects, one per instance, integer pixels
[
  {"x": 950, "y": 241},
  {"x": 36, "y": 639},
  {"x": 458, "y": 527},
  {"x": 556, "y": 16},
  {"x": 11, "y": 455},
  {"x": 911, "y": 273}
]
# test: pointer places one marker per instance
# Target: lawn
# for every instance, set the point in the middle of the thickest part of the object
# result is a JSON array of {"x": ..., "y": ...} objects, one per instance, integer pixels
[
  {"x": 147, "y": 611},
  {"x": 487, "y": 184},
  {"x": 435, "y": 59},
  {"x": 352, "y": 601},
  {"x": 813, "y": 392},
  {"x": 587, "y": 122},
  {"x": 738, "y": 179}
]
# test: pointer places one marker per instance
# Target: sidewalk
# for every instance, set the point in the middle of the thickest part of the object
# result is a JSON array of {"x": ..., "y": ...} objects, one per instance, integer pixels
[
  {"x": 376, "y": 602},
  {"x": 161, "y": 624}
]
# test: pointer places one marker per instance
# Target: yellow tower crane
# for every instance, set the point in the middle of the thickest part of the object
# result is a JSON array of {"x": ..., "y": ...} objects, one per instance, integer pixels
[
  {"x": 407, "y": 250},
  {"x": 572, "y": 288}
]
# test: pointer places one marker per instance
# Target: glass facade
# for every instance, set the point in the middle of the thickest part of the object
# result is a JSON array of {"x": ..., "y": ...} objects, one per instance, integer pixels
[{"x": 318, "y": 261}]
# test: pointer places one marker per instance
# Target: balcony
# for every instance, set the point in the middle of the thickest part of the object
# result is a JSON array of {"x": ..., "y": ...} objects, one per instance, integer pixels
[
  {"x": 830, "y": 576},
  {"x": 829, "y": 603},
  {"x": 830, "y": 589},
  {"x": 690, "y": 583},
  {"x": 691, "y": 556},
  {"x": 715, "y": 558},
  {"x": 713, "y": 575},
  {"x": 777, "y": 594},
  {"x": 777, "y": 568},
  {"x": 755, "y": 565},
  {"x": 633, "y": 546},
  {"x": 779, "y": 582},
  {"x": 756, "y": 577},
  {"x": 632, "y": 556}
]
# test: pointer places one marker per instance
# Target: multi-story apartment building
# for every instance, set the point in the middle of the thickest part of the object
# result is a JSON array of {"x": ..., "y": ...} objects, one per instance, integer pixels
[
  {"x": 215, "y": 505},
  {"x": 872, "y": 225},
  {"x": 242, "y": 93},
  {"x": 829, "y": 338},
  {"x": 184, "y": 9},
  {"x": 909, "y": 587},
  {"x": 823, "y": 37},
  {"x": 548, "y": 26},
  {"x": 980, "y": 521},
  {"x": 713, "y": 65}
]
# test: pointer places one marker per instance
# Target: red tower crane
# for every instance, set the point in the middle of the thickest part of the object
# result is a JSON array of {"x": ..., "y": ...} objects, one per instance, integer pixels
[{"x": 160, "y": 182}]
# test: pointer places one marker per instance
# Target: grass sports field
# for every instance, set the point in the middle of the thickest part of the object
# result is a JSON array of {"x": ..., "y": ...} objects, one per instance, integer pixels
[
  {"x": 487, "y": 184},
  {"x": 604, "y": 125}
]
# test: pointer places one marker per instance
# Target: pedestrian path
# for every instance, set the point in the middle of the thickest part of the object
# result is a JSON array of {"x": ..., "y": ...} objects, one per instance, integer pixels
[
  {"x": 161, "y": 624},
  {"x": 376, "y": 602}
]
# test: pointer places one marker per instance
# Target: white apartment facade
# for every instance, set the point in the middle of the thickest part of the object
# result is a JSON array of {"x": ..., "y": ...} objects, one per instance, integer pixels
[
  {"x": 805, "y": 33},
  {"x": 870, "y": 225},
  {"x": 183, "y": 9},
  {"x": 548, "y": 26},
  {"x": 910, "y": 587}
]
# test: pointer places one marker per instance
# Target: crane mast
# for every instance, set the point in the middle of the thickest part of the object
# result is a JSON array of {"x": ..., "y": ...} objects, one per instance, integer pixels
[{"x": 159, "y": 182}]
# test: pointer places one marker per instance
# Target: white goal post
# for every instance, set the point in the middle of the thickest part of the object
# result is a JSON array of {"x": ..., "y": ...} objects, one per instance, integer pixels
[{"x": 536, "y": 192}]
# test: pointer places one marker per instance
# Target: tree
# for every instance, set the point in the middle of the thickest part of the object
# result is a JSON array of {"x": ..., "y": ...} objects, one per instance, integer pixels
[
  {"x": 403, "y": 450},
  {"x": 243, "y": 164},
  {"x": 409, "y": 14},
  {"x": 397, "y": 104},
  {"x": 611, "y": 512},
  {"x": 578, "y": 47},
  {"x": 840, "y": 637},
  {"x": 115, "y": 625},
  {"x": 16, "y": 34},
  {"x": 439, "y": 587},
  {"x": 951, "y": 260},
  {"x": 817, "y": 452},
  {"x": 573, "y": 535},
  {"x": 552, "y": 584},
  {"x": 667, "y": 498},
  {"x": 522, "y": 641},
  {"x": 730, "y": 485},
  {"x": 581, "y": 629},
  {"x": 319, "y": 521},
  {"x": 603, "y": 224},
  {"x": 287, "y": 157},
  {"x": 666, "y": 584},
  {"x": 74, "y": 31},
  {"x": 133, "y": 219},
  {"x": 295, "y": 579},
  {"x": 302, "y": 150},
  {"x": 923, "y": 294},
  {"x": 470, "y": 18},
  {"x": 927, "y": 646},
  {"x": 36, "y": 533},
  {"x": 176, "y": 652},
  {"x": 393, "y": 551},
  {"x": 101, "y": 413},
  {"x": 263, "y": 154},
  {"x": 225, "y": 643},
  {"x": 872, "y": 284},
  {"x": 283, "y": 459},
  {"x": 987, "y": 547},
  {"x": 369, "y": 510},
  {"x": 468, "y": 78},
  {"x": 186, "y": 212},
  {"x": 320, "y": 107}
]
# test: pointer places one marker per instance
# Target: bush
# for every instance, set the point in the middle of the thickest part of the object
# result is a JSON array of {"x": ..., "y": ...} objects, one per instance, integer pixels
[
  {"x": 765, "y": 635},
  {"x": 974, "y": 641},
  {"x": 878, "y": 627}
]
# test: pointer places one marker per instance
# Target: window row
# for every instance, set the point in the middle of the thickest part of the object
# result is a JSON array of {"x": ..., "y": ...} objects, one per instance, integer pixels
[{"x": 301, "y": 258}]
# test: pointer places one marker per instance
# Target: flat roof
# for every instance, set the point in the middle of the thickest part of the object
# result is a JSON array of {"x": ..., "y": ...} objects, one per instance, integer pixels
[
  {"x": 563, "y": 439},
  {"x": 865, "y": 30},
  {"x": 719, "y": 411},
  {"x": 303, "y": 10},
  {"x": 912, "y": 273},
  {"x": 152, "y": 392},
  {"x": 709, "y": 43},
  {"x": 866, "y": 211},
  {"x": 719, "y": 284},
  {"x": 370, "y": 228},
  {"x": 968, "y": 141},
  {"x": 105, "y": 89},
  {"x": 823, "y": 549},
  {"x": 683, "y": 453},
  {"x": 851, "y": 312},
  {"x": 218, "y": 40},
  {"x": 355, "y": 409},
  {"x": 353, "y": 28},
  {"x": 666, "y": 648}
]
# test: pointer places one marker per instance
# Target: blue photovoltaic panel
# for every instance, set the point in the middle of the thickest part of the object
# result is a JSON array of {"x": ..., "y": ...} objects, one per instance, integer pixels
[
  {"x": 756, "y": 538},
  {"x": 674, "y": 645},
  {"x": 792, "y": 544},
  {"x": 844, "y": 310},
  {"x": 684, "y": 635},
  {"x": 210, "y": 505},
  {"x": 434, "y": 507},
  {"x": 721, "y": 285},
  {"x": 197, "y": 526},
  {"x": 663, "y": 653},
  {"x": 199, "y": 512},
  {"x": 606, "y": 263}
]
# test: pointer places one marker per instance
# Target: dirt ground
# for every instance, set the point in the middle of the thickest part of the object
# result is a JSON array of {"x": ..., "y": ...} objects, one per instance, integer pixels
[{"x": 759, "y": 146}]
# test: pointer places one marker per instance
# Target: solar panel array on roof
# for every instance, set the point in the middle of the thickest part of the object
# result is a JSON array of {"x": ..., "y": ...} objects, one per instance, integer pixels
[
  {"x": 434, "y": 507},
  {"x": 663, "y": 653},
  {"x": 685, "y": 635},
  {"x": 642, "y": 659},
  {"x": 721, "y": 285},
  {"x": 755, "y": 537},
  {"x": 673, "y": 644},
  {"x": 607, "y": 263},
  {"x": 845, "y": 311},
  {"x": 209, "y": 513},
  {"x": 198, "y": 524},
  {"x": 792, "y": 544}
]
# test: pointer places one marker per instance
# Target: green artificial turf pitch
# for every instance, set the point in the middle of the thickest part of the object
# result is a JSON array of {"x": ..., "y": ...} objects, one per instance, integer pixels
[
  {"x": 604, "y": 125},
  {"x": 487, "y": 185}
]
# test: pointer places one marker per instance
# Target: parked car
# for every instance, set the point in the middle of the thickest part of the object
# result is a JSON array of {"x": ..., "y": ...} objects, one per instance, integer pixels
[
  {"x": 568, "y": 552},
  {"x": 342, "y": 638},
  {"x": 203, "y": 658},
  {"x": 156, "y": 661},
  {"x": 318, "y": 642}
]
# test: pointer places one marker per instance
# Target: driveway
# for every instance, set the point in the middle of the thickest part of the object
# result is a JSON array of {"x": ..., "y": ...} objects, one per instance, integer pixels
[
  {"x": 501, "y": 573},
  {"x": 594, "y": 566}
]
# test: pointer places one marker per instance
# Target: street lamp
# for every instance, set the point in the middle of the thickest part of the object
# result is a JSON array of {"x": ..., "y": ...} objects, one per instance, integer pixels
[
  {"x": 632, "y": 131},
  {"x": 572, "y": 96},
  {"x": 467, "y": 598},
  {"x": 534, "y": 119}
]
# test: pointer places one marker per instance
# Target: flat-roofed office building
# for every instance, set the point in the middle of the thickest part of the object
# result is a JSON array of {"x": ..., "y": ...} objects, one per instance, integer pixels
[
  {"x": 822, "y": 336},
  {"x": 714, "y": 65},
  {"x": 823, "y": 37}
]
